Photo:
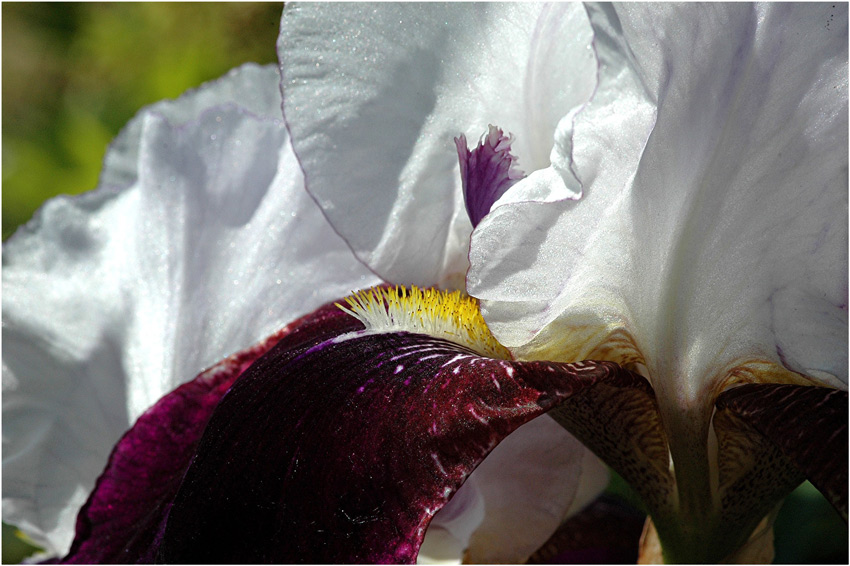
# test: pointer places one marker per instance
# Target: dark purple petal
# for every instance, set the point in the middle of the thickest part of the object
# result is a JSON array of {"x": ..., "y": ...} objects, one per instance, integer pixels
[
  {"x": 124, "y": 516},
  {"x": 344, "y": 451},
  {"x": 486, "y": 172},
  {"x": 808, "y": 426}
]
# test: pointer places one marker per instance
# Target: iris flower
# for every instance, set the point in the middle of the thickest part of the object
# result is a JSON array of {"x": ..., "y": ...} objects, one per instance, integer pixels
[{"x": 668, "y": 283}]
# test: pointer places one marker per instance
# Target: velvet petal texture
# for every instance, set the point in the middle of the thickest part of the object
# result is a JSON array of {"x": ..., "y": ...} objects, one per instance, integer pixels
[
  {"x": 122, "y": 520},
  {"x": 374, "y": 95},
  {"x": 199, "y": 242},
  {"x": 124, "y": 517},
  {"x": 343, "y": 450},
  {"x": 527, "y": 486}
]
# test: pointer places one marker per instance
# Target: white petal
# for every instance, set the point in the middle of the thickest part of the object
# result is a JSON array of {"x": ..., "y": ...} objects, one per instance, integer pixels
[
  {"x": 375, "y": 95},
  {"x": 113, "y": 298},
  {"x": 448, "y": 534},
  {"x": 725, "y": 236},
  {"x": 524, "y": 255},
  {"x": 529, "y": 484},
  {"x": 121, "y": 162}
]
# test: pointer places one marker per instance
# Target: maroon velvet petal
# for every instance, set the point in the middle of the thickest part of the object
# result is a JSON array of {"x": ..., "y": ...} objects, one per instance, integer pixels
[
  {"x": 343, "y": 452},
  {"x": 124, "y": 516},
  {"x": 486, "y": 172},
  {"x": 807, "y": 424}
]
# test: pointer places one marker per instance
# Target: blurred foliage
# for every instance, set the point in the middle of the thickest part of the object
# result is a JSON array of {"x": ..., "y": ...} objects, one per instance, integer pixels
[
  {"x": 15, "y": 547},
  {"x": 809, "y": 531},
  {"x": 74, "y": 74}
]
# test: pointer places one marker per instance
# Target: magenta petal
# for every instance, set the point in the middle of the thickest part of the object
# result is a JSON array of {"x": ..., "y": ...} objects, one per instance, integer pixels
[
  {"x": 122, "y": 520},
  {"x": 486, "y": 172},
  {"x": 123, "y": 516},
  {"x": 807, "y": 424},
  {"x": 343, "y": 452}
]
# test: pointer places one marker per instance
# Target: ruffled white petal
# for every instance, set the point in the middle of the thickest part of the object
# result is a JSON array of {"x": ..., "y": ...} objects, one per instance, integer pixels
[
  {"x": 713, "y": 223},
  {"x": 375, "y": 94},
  {"x": 199, "y": 242}
]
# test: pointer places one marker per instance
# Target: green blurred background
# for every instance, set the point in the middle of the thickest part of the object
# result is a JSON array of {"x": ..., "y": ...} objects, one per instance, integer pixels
[{"x": 74, "y": 74}]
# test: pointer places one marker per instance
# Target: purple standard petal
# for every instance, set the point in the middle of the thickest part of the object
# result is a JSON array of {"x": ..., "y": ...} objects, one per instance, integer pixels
[
  {"x": 344, "y": 451},
  {"x": 806, "y": 425},
  {"x": 486, "y": 172},
  {"x": 123, "y": 518}
]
